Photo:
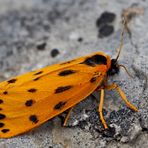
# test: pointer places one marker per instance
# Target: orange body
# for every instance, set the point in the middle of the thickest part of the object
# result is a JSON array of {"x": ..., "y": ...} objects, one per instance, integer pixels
[{"x": 28, "y": 100}]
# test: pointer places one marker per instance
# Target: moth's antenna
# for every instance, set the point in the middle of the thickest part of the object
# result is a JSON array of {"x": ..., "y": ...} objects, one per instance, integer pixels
[
  {"x": 121, "y": 40},
  {"x": 126, "y": 70}
]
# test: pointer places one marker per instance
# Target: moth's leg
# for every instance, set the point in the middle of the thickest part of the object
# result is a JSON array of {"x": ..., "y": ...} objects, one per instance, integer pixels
[
  {"x": 122, "y": 94},
  {"x": 67, "y": 116},
  {"x": 100, "y": 109},
  {"x": 103, "y": 84},
  {"x": 111, "y": 86}
]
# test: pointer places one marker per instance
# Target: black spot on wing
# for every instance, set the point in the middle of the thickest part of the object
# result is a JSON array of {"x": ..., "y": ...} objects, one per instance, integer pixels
[
  {"x": 36, "y": 79},
  {"x": 33, "y": 118},
  {"x": 40, "y": 72},
  {"x": 66, "y": 72},
  {"x": 59, "y": 106},
  {"x": 2, "y": 124},
  {"x": 1, "y": 101},
  {"x": 68, "y": 62},
  {"x": 32, "y": 90},
  {"x": 62, "y": 89},
  {"x": 29, "y": 102},
  {"x": 5, "y": 130},
  {"x": 88, "y": 62},
  {"x": 93, "y": 79},
  {"x": 12, "y": 81},
  {"x": 2, "y": 116},
  {"x": 95, "y": 60},
  {"x": 5, "y": 92}
]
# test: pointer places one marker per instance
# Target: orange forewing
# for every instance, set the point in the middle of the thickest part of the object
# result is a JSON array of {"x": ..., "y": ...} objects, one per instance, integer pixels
[{"x": 28, "y": 100}]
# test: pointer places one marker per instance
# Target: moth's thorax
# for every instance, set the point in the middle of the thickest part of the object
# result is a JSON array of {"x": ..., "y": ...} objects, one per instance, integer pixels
[{"x": 114, "y": 68}]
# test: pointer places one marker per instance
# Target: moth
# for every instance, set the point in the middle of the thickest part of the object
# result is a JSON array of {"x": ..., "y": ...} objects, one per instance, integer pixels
[{"x": 28, "y": 100}]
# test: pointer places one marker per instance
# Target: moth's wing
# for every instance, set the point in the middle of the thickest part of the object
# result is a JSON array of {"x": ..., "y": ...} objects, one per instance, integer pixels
[
  {"x": 27, "y": 77},
  {"x": 25, "y": 105}
]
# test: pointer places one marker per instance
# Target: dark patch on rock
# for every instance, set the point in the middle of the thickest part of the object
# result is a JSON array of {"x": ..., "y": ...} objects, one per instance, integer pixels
[
  {"x": 54, "y": 52},
  {"x": 41, "y": 46},
  {"x": 106, "y": 17},
  {"x": 80, "y": 39},
  {"x": 105, "y": 30},
  {"x": 110, "y": 132}
]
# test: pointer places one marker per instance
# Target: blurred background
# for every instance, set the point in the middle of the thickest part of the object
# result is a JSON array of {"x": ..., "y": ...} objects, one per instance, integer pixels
[{"x": 37, "y": 33}]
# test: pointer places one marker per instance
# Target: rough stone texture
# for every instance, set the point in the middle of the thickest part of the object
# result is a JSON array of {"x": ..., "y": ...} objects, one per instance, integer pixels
[{"x": 29, "y": 31}]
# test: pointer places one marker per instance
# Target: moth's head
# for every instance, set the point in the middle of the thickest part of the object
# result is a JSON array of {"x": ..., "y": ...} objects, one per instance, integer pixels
[{"x": 114, "y": 68}]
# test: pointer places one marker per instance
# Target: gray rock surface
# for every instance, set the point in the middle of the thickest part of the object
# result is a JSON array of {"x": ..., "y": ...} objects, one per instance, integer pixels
[{"x": 30, "y": 29}]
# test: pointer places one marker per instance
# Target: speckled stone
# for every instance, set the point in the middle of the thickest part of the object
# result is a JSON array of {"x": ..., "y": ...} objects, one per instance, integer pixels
[{"x": 70, "y": 26}]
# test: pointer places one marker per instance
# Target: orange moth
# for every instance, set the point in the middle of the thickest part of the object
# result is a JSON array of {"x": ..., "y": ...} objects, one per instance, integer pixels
[{"x": 28, "y": 100}]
